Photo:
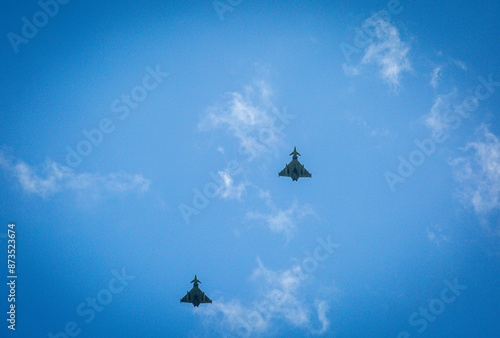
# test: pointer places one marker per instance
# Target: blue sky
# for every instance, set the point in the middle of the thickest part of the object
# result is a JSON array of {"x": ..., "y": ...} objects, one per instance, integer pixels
[{"x": 141, "y": 143}]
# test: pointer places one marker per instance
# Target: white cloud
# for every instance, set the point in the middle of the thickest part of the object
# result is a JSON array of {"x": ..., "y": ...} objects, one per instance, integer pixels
[
  {"x": 438, "y": 119},
  {"x": 374, "y": 132},
  {"x": 322, "y": 308},
  {"x": 460, "y": 64},
  {"x": 228, "y": 190},
  {"x": 279, "y": 221},
  {"x": 283, "y": 221},
  {"x": 233, "y": 317},
  {"x": 52, "y": 178},
  {"x": 385, "y": 50},
  {"x": 351, "y": 69},
  {"x": 435, "y": 77},
  {"x": 435, "y": 119},
  {"x": 479, "y": 172},
  {"x": 251, "y": 117},
  {"x": 447, "y": 66},
  {"x": 281, "y": 298},
  {"x": 279, "y": 293}
]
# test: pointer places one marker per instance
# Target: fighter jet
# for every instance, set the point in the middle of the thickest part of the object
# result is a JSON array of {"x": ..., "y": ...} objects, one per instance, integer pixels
[
  {"x": 195, "y": 296},
  {"x": 295, "y": 169}
]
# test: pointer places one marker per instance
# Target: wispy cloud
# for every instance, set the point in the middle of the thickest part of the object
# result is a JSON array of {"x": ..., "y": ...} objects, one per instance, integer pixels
[
  {"x": 282, "y": 221},
  {"x": 250, "y": 116},
  {"x": 51, "y": 178},
  {"x": 438, "y": 119},
  {"x": 479, "y": 172},
  {"x": 281, "y": 298},
  {"x": 228, "y": 189},
  {"x": 322, "y": 308},
  {"x": 374, "y": 132},
  {"x": 435, "y": 77},
  {"x": 460, "y": 64},
  {"x": 282, "y": 285},
  {"x": 385, "y": 50},
  {"x": 447, "y": 67}
]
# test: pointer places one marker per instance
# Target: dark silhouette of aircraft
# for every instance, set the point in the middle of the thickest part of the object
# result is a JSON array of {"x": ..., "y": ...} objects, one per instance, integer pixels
[
  {"x": 295, "y": 169},
  {"x": 195, "y": 296}
]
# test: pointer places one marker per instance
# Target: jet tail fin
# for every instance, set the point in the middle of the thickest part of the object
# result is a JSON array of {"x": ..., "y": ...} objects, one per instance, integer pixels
[{"x": 294, "y": 152}]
